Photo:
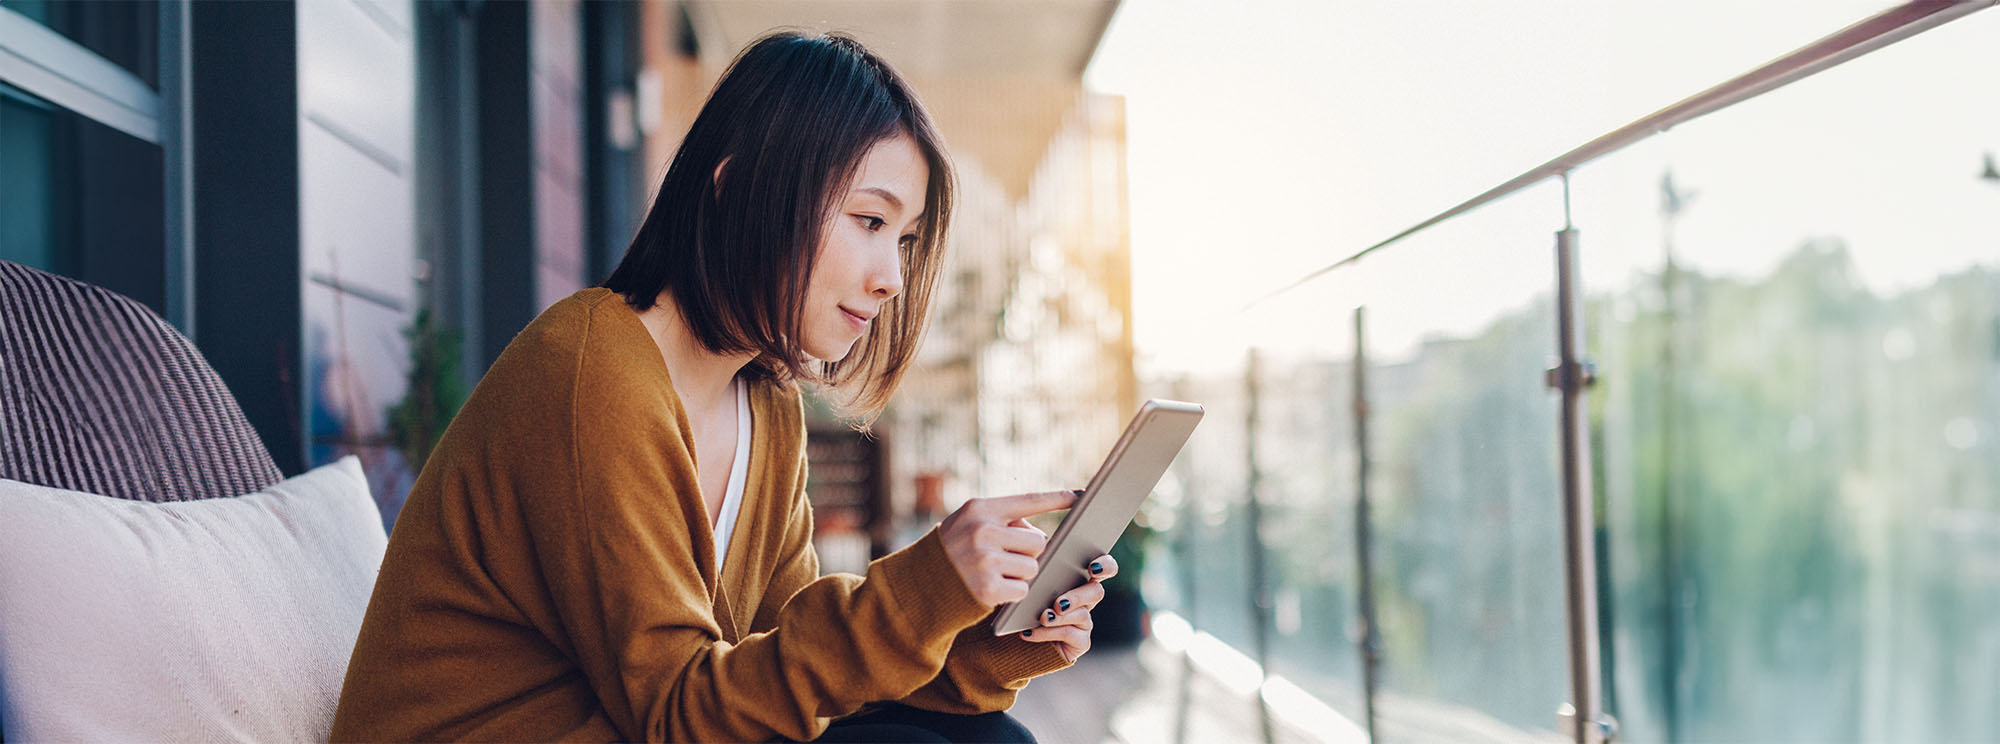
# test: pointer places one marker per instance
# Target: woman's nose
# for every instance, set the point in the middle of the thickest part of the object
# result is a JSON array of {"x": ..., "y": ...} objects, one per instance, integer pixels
[{"x": 886, "y": 280}]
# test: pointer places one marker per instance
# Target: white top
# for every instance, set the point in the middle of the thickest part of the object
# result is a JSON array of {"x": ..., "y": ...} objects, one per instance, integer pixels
[{"x": 739, "y": 471}]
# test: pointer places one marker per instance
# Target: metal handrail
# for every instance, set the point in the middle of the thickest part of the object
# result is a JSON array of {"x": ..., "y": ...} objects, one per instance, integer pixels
[{"x": 1867, "y": 35}]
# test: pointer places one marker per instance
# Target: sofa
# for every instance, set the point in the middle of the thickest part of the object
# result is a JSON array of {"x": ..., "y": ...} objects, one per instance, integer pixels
[{"x": 160, "y": 579}]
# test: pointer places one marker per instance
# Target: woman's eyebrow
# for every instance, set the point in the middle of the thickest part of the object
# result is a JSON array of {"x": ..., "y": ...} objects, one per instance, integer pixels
[{"x": 886, "y": 195}]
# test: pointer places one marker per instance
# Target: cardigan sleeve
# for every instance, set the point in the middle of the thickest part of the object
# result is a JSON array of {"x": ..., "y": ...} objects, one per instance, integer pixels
[
  {"x": 982, "y": 673},
  {"x": 613, "y": 535}
]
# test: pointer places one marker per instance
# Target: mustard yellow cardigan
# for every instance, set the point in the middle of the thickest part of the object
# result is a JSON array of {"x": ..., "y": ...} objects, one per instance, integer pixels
[{"x": 552, "y": 575}]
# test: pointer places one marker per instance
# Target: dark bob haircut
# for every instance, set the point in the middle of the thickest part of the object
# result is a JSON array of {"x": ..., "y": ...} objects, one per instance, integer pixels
[{"x": 793, "y": 117}]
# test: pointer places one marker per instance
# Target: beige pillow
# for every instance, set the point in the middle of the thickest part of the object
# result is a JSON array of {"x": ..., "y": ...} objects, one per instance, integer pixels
[{"x": 219, "y": 619}]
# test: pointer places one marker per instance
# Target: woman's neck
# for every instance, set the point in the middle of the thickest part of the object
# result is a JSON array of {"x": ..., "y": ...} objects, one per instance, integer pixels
[{"x": 701, "y": 377}]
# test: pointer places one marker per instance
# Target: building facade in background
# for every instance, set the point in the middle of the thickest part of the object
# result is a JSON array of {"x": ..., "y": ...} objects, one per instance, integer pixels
[
  {"x": 353, "y": 205},
  {"x": 294, "y": 185}
]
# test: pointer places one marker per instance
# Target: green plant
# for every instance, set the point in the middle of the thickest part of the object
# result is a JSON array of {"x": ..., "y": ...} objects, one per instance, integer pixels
[{"x": 435, "y": 390}]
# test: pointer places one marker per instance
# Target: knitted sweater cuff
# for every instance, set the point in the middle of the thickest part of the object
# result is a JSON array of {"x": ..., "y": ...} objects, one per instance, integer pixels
[{"x": 927, "y": 589}]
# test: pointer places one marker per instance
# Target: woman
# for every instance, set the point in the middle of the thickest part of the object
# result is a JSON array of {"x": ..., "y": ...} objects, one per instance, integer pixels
[{"x": 612, "y": 540}]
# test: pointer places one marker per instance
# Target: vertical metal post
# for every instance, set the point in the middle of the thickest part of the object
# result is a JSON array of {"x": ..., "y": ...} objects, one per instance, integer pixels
[
  {"x": 1571, "y": 376},
  {"x": 1260, "y": 590},
  {"x": 1371, "y": 646},
  {"x": 177, "y": 162},
  {"x": 1190, "y": 533},
  {"x": 1673, "y": 506}
]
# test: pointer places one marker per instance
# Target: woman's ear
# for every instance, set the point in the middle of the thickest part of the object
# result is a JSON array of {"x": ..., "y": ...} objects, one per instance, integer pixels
[{"x": 716, "y": 184}]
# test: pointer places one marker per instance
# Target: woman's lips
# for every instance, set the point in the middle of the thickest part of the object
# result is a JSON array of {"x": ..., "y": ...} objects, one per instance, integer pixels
[{"x": 857, "y": 321}]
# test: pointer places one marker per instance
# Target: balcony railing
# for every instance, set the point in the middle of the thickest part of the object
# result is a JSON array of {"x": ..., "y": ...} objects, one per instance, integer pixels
[{"x": 1740, "y": 485}]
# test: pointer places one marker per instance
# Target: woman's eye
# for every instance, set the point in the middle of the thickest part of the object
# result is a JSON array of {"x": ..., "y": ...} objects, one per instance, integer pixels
[{"x": 873, "y": 223}]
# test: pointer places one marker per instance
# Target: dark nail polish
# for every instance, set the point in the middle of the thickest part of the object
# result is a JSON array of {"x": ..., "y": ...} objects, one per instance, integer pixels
[
  {"x": 1027, "y": 633},
  {"x": 1050, "y": 615},
  {"x": 1078, "y": 492},
  {"x": 1064, "y": 605},
  {"x": 1096, "y": 568}
]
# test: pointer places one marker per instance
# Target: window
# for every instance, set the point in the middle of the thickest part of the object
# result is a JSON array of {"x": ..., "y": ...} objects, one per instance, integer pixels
[
  {"x": 28, "y": 223},
  {"x": 125, "y": 32},
  {"x": 81, "y": 179}
]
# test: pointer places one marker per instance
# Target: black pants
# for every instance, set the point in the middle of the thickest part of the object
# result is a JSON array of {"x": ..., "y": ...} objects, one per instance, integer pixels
[{"x": 901, "y": 723}]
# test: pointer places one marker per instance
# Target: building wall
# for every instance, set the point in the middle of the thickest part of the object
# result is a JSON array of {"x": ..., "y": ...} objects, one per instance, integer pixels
[
  {"x": 357, "y": 233},
  {"x": 669, "y": 91},
  {"x": 493, "y": 257},
  {"x": 555, "y": 72}
]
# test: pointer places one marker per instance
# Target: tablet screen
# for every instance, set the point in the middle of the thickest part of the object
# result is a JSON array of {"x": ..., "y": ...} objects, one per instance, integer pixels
[{"x": 1108, "y": 504}]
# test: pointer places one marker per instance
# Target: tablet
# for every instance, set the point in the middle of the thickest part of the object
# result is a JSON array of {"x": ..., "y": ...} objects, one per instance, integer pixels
[{"x": 1122, "y": 483}]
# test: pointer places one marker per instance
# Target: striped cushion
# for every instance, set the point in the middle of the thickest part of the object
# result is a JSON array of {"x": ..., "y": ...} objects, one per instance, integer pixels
[{"x": 99, "y": 394}]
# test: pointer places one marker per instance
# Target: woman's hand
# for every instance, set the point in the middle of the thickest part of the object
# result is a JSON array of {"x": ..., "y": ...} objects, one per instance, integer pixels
[
  {"x": 1068, "y": 623},
  {"x": 994, "y": 548}
]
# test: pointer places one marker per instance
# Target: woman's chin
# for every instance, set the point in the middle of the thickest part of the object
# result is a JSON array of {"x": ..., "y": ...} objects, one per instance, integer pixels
[{"x": 831, "y": 353}]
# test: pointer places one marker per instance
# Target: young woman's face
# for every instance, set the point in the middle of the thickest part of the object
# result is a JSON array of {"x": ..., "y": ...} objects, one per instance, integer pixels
[{"x": 860, "y": 256}]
